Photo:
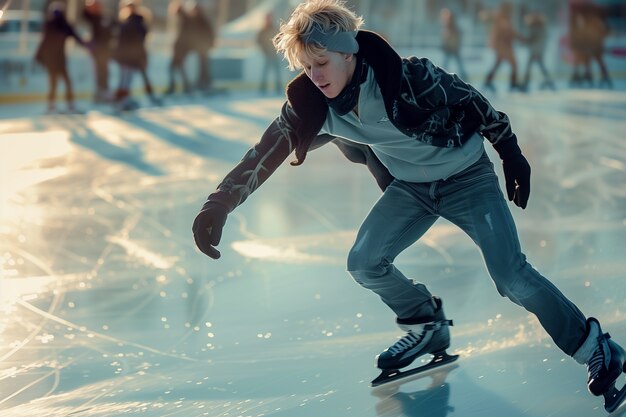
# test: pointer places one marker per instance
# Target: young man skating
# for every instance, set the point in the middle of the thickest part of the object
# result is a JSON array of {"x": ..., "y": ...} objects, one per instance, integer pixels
[{"x": 420, "y": 132}]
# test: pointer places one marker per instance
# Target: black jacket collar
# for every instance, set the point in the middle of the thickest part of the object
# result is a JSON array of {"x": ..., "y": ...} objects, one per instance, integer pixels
[{"x": 309, "y": 103}]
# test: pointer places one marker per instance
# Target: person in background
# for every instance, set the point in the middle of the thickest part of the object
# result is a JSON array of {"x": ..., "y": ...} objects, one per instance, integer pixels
[
  {"x": 501, "y": 38},
  {"x": 51, "y": 53},
  {"x": 271, "y": 60},
  {"x": 536, "y": 42},
  {"x": 131, "y": 53},
  {"x": 102, "y": 30},
  {"x": 588, "y": 30},
  {"x": 182, "y": 46},
  {"x": 203, "y": 41},
  {"x": 451, "y": 41}
]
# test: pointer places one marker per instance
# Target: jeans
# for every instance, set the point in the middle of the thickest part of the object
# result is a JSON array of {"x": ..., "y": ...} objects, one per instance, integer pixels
[{"x": 473, "y": 201}]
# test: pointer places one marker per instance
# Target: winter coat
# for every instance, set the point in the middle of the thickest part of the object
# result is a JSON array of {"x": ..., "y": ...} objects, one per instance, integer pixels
[
  {"x": 537, "y": 37},
  {"x": 502, "y": 36},
  {"x": 204, "y": 32},
  {"x": 421, "y": 100},
  {"x": 131, "y": 49},
  {"x": 184, "y": 38},
  {"x": 451, "y": 39},
  {"x": 51, "y": 50},
  {"x": 102, "y": 29}
]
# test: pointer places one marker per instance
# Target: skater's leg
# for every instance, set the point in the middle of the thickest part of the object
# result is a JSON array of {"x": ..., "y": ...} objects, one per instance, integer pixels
[
  {"x": 264, "y": 74},
  {"x": 459, "y": 61},
  {"x": 492, "y": 73},
  {"x": 397, "y": 220},
  {"x": 473, "y": 201},
  {"x": 52, "y": 88},
  {"x": 275, "y": 64},
  {"x": 183, "y": 75},
  {"x": 513, "y": 63},
  {"x": 101, "y": 67},
  {"x": 446, "y": 61},
  {"x": 147, "y": 85},
  {"x": 69, "y": 92},
  {"x": 125, "y": 82},
  {"x": 526, "y": 80},
  {"x": 171, "y": 86},
  {"x": 606, "y": 78}
]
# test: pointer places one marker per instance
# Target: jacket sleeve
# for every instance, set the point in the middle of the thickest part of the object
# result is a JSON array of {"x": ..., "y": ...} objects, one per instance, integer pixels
[
  {"x": 431, "y": 87},
  {"x": 276, "y": 144}
]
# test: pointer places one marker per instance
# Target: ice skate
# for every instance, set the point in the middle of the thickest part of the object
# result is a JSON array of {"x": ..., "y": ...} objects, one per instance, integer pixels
[
  {"x": 604, "y": 367},
  {"x": 421, "y": 339}
]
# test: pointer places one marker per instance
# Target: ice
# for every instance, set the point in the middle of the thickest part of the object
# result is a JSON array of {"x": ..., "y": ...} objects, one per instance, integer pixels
[{"x": 109, "y": 310}]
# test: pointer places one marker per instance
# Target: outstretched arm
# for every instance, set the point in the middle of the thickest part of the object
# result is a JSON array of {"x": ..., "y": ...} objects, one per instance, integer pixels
[{"x": 257, "y": 165}]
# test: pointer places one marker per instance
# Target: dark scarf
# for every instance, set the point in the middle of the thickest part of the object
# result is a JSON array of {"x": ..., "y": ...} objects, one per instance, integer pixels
[{"x": 349, "y": 96}]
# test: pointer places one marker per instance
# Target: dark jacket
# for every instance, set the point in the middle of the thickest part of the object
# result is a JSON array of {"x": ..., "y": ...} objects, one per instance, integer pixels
[
  {"x": 131, "y": 49},
  {"x": 102, "y": 29},
  {"x": 51, "y": 50},
  {"x": 422, "y": 101}
]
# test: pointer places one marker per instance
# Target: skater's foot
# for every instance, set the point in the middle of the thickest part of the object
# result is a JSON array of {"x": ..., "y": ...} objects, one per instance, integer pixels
[
  {"x": 420, "y": 339},
  {"x": 71, "y": 109},
  {"x": 606, "y": 82},
  {"x": 606, "y": 361}
]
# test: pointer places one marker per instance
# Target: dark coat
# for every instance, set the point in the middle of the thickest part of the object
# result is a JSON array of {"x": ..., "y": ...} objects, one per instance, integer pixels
[
  {"x": 184, "y": 38},
  {"x": 131, "y": 49},
  {"x": 102, "y": 30},
  {"x": 51, "y": 50},
  {"x": 422, "y": 101},
  {"x": 204, "y": 32}
]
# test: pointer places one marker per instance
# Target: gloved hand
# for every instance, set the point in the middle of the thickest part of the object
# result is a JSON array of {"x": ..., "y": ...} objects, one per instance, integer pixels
[
  {"x": 207, "y": 228},
  {"x": 517, "y": 177}
]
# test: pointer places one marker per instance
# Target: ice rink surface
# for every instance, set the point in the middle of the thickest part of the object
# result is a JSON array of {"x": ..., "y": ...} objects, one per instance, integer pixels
[{"x": 107, "y": 308}]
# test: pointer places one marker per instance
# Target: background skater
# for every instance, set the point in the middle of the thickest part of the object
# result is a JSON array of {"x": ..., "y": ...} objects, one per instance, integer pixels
[{"x": 51, "y": 53}]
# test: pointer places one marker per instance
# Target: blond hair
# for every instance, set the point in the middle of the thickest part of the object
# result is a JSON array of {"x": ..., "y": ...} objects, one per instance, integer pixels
[{"x": 331, "y": 16}]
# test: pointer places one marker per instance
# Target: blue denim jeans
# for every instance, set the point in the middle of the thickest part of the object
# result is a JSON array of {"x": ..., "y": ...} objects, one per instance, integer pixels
[{"x": 473, "y": 201}]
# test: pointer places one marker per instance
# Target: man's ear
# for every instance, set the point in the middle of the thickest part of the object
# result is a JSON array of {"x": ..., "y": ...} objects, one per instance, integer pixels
[{"x": 348, "y": 57}]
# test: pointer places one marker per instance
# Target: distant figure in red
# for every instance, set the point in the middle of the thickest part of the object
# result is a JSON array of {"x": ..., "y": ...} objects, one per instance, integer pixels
[
  {"x": 451, "y": 41},
  {"x": 102, "y": 29},
  {"x": 51, "y": 53}
]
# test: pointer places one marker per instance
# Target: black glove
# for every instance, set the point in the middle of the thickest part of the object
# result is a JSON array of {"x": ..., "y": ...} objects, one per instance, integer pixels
[
  {"x": 207, "y": 228},
  {"x": 517, "y": 177}
]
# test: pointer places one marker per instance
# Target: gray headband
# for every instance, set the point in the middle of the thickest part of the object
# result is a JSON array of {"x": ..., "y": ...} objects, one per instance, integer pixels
[{"x": 336, "y": 42}]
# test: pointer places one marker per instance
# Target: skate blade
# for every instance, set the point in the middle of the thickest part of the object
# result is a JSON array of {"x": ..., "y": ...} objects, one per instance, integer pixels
[
  {"x": 613, "y": 398},
  {"x": 389, "y": 375}
]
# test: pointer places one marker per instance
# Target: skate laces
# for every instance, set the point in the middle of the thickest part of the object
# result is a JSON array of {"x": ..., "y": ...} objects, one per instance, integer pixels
[
  {"x": 412, "y": 339},
  {"x": 405, "y": 343},
  {"x": 599, "y": 358}
]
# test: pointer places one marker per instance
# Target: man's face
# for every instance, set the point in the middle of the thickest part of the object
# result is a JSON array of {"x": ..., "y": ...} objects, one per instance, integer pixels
[{"x": 329, "y": 71}]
